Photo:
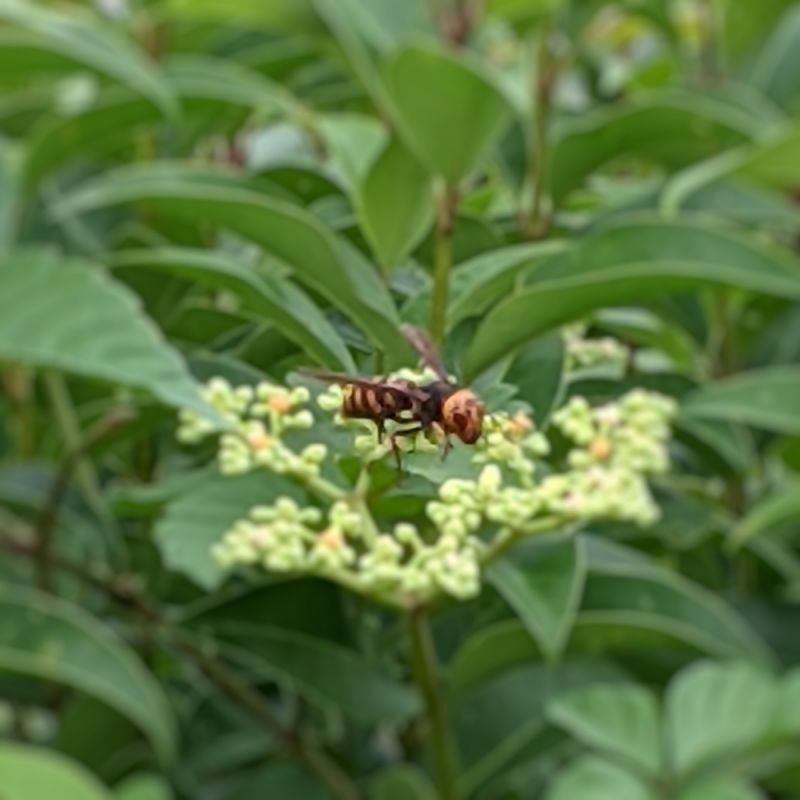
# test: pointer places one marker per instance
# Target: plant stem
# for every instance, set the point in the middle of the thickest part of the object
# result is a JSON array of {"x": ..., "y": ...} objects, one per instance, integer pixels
[
  {"x": 442, "y": 260},
  {"x": 535, "y": 222},
  {"x": 227, "y": 681},
  {"x": 508, "y": 537},
  {"x": 76, "y": 446},
  {"x": 17, "y": 383},
  {"x": 425, "y": 670}
]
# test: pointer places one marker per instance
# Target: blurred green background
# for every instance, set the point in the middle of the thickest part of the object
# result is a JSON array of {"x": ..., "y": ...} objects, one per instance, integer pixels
[{"x": 191, "y": 188}]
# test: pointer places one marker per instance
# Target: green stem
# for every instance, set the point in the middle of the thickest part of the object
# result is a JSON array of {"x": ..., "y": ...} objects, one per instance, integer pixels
[
  {"x": 325, "y": 768},
  {"x": 536, "y": 221},
  {"x": 18, "y": 388},
  {"x": 324, "y": 488},
  {"x": 425, "y": 670},
  {"x": 442, "y": 260},
  {"x": 508, "y": 537},
  {"x": 74, "y": 443}
]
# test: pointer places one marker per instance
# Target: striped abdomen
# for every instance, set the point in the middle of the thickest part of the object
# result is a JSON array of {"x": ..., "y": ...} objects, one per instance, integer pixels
[{"x": 378, "y": 401}]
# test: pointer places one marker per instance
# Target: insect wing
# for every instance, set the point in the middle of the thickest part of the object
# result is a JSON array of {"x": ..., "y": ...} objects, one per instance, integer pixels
[{"x": 420, "y": 341}]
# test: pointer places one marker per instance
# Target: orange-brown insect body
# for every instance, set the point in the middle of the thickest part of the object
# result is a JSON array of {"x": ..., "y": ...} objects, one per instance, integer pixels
[{"x": 439, "y": 404}]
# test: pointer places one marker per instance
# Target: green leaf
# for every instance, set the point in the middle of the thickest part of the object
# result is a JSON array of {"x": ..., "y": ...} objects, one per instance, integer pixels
[
  {"x": 194, "y": 522},
  {"x": 85, "y": 41},
  {"x": 143, "y": 786},
  {"x": 479, "y": 283},
  {"x": 70, "y": 315},
  {"x": 624, "y": 588},
  {"x": 538, "y": 374},
  {"x": 324, "y": 673},
  {"x": 592, "y": 778},
  {"x": 401, "y": 783},
  {"x": 771, "y": 163},
  {"x": 280, "y": 780},
  {"x": 622, "y": 721},
  {"x": 717, "y": 710},
  {"x": 33, "y": 773},
  {"x": 455, "y": 121},
  {"x": 395, "y": 204},
  {"x": 11, "y": 170},
  {"x": 204, "y": 77},
  {"x": 274, "y": 300},
  {"x": 776, "y": 509},
  {"x": 721, "y": 788},
  {"x": 504, "y": 721},
  {"x": 110, "y": 124},
  {"x": 544, "y": 590},
  {"x": 671, "y": 129},
  {"x": 630, "y": 261},
  {"x": 324, "y": 262},
  {"x": 765, "y": 398},
  {"x": 776, "y": 69},
  {"x": 54, "y": 640},
  {"x": 353, "y": 142},
  {"x": 788, "y": 704},
  {"x": 489, "y": 652}
]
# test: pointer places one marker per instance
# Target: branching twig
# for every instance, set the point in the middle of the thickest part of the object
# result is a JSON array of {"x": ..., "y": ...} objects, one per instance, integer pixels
[
  {"x": 46, "y": 522},
  {"x": 249, "y": 700}
]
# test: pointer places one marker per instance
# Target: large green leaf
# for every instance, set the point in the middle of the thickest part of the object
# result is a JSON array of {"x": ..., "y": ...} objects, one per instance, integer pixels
[
  {"x": 622, "y": 721},
  {"x": 631, "y": 261},
  {"x": 544, "y": 589},
  {"x": 673, "y": 130},
  {"x": 447, "y": 110},
  {"x": 504, "y": 720},
  {"x": 772, "y": 163},
  {"x": 489, "y": 652},
  {"x": 717, "y": 710},
  {"x": 592, "y": 778},
  {"x": 326, "y": 263},
  {"x": 480, "y": 282},
  {"x": 54, "y": 640},
  {"x": 765, "y": 398},
  {"x": 143, "y": 786},
  {"x": 11, "y": 161},
  {"x": 110, "y": 124},
  {"x": 280, "y": 779},
  {"x": 401, "y": 783},
  {"x": 204, "y": 77},
  {"x": 70, "y": 315},
  {"x": 196, "y": 520},
  {"x": 274, "y": 300},
  {"x": 776, "y": 70},
  {"x": 86, "y": 42},
  {"x": 33, "y": 773},
  {"x": 538, "y": 372},
  {"x": 324, "y": 673},
  {"x": 624, "y": 588},
  {"x": 395, "y": 204},
  {"x": 721, "y": 788},
  {"x": 776, "y": 509}
]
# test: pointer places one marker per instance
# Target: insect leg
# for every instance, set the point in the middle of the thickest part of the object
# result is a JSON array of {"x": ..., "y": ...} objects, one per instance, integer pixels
[{"x": 396, "y": 435}]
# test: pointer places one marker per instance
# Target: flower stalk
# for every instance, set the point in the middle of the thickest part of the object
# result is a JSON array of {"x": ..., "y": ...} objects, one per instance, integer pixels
[{"x": 425, "y": 670}]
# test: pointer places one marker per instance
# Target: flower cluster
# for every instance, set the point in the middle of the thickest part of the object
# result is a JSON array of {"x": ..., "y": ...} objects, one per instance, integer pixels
[
  {"x": 583, "y": 352},
  {"x": 257, "y": 417},
  {"x": 617, "y": 446},
  {"x": 611, "y": 451},
  {"x": 399, "y": 568},
  {"x": 511, "y": 440}
]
